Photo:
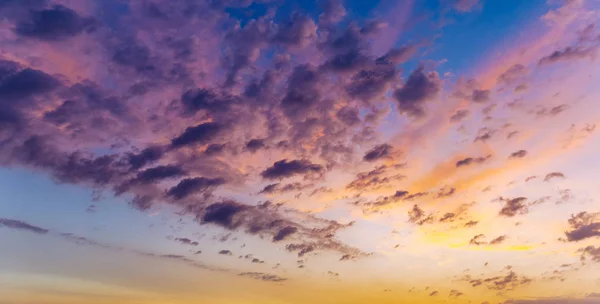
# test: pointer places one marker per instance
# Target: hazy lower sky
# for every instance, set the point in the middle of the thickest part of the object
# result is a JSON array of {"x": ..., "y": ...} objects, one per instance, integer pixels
[{"x": 275, "y": 151}]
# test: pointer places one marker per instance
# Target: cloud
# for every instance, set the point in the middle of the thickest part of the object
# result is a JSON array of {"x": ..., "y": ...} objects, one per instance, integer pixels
[
  {"x": 158, "y": 173},
  {"x": 417, "y": 216},
  {"x": 592, "y": 253},
  {"x": 378, "y": 152},
  {"x": 348, "y": 115},
  {"x": 374, "y": 179},
  {"x": 513, "y": 207},
  {"x": 278, "y": 188},
  {"x": 518, "y": 154},
  {"x": 20, "y": 225},
  {"x": 419, "y": 88},
  {"x": 147, "y": 156},
  {"x": 186, "y": 241},
  {"x": 284, "y": 168},
  {"x": 478, "y": 240},
  {"x": 255, "y": 144},
  {"x": 582, "y": 226},
  {"x": 514, "y": 73},
  {"x": 19, "y": 84},
  {"x": 459, "y": 115},
  {"x": 57, "y": 22},
  {"x": 201, "y": 134},
  {"x": 509, "y": 281},
  {"x": 568, "y": 54},
  {"x": 189, "y": 186},
  {"x": 284, "y": 233},
  {"x": 472, "y": 160},
  {"x": 553, "y": 175},
  {"x": 481, "y": 96},
  {"x": 498, "y": 240},
  {"x": 263, "y": 277},
  {"x": 223, "y": 214}
]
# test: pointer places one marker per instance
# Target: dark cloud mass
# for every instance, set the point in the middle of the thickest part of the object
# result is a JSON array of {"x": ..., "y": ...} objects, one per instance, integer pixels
[
  {"x": 194, "y": 185},
  {"x": 201, "y": 134},
  {"x": 223, "y": 214},
  {"x": 57, "y": 22},
  {"x": 472, "y": 160},
  {"x": 284, "y": 168},
  {"x": 514, "y": 206},
  {"x": 378, "y": 152},
  {"x": 20, "y": 225},
  {"x": 582, "y": 226},
  {"x": 420, "y": 87}
]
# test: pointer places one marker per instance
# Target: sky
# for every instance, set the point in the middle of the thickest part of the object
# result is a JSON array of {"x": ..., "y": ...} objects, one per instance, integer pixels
[{"x": 290, "y": 151}]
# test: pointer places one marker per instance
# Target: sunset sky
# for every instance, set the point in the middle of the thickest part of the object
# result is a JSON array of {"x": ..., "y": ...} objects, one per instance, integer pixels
[{"x": 292, "y": 151}]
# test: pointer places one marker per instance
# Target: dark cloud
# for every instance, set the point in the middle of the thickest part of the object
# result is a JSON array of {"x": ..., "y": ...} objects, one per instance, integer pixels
[
  {"x": 509, "y": 281},
  {"x": 481, "y": 96},
  {"x": 20, "y": 225},
  {"x": 418, "y": 89},
  {"x": 543, "y": 111},
  {"x": 498, "y": 240},
  {"x": 144, "y": 157},
  {"x": 224, "y": 214},
  {"x": 471, "y": 223},
  {"x": 284, "y": 168},
  {"x": 459, "y": 115},
  {"x": 455, "y": 293},
  {"x": 297, "y": 31},
  {"x": 186, "y": 241},
  {"x": 57, "y": 22},
  {"x": 284, "y": 233},
  {"x": 484, "y": 134},
  {"x": 582, "y": 226},
  {"x": 369, "y": 84},
  {"x": 478, "y": 240},
  {"x": 553, "y": 175},
  {"x": 278, "y": 188},
  {"x": 255, "y": 144},
  {"x": 302, "y": 92},
  {"x": 518, "y": 154},
  {"x": 514, "y": 206},
  {"x": 568, "y": 54},
  {"x": 225, "y": 252},
  {"x": 194, "y": 185},
  {"x": 379, "y": 152},
  {"x": 417, "y": 216},
  {"x": 347, "y": 62},
  {"x": 592, "y": 253},
  {"x": 472, "y": 160},
  {"x": 158, "y": 173},
  {"x": 397, "y": 56},
  {"x": 302, "y": 249},
  {"x": 214, "y": 149},
  {"x": 513, "y": 74},
  {"x": 201, "y": 134},
  {"x": 445, "y": 192},
  {"x": 21, "y": 84},
  {"x": 348, "y": 115},
  {"x": 263, "y": 277},
  {"x": 373, "y": 179},
  {"x": 205, "y": 99}
]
